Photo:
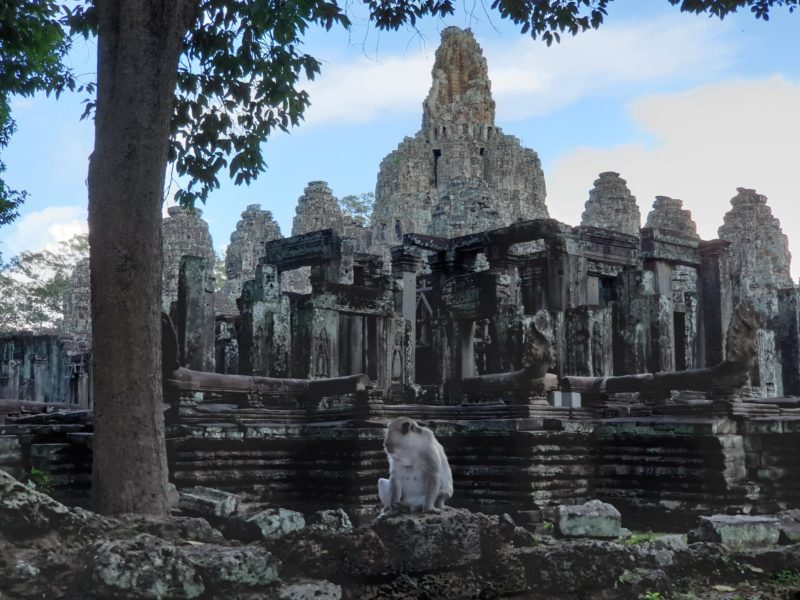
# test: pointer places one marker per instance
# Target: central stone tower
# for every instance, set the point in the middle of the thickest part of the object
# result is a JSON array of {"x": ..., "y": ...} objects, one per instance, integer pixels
[{"x": 459, "y": 174}]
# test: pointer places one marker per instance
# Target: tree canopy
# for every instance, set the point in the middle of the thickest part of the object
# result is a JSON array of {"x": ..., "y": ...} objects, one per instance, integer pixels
[
  {"x": 32, "y": 286},
  {"x": 358, "y": 207},
  {"x": 33, "y": 43}
]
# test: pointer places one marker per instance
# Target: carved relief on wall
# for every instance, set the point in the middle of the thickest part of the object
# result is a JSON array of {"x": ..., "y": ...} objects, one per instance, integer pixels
[
  {"x": 322, "y": 362},
  {"x": 397, "y": 357},
  {"x": 598, "y": 351}
]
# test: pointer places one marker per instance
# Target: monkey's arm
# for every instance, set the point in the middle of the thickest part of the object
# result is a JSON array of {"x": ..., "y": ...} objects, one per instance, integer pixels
[
  {"x": 395, "y": 490},
  {"x": 432, "y": 468}
]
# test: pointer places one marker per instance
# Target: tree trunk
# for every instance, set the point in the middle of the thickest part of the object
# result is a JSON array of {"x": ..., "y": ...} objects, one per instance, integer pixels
[{"x": 139, "y": 43}]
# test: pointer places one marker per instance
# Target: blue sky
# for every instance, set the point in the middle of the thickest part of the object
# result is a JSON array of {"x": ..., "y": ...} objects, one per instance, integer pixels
[{"x": 680, "y": 105}]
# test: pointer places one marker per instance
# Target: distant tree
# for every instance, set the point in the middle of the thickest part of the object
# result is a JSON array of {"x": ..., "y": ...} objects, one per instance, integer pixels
[
  {"x": 32, "y": 286},
  {"x": 220, "y": 273},
  {"x": 359, "y": 207}
]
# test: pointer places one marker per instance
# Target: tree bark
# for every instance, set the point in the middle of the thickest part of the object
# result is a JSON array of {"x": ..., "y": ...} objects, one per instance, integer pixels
[{"x": 139, "y": 44}]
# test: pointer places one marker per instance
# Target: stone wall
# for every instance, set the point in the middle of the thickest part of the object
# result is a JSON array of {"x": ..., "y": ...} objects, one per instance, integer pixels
[{"x": 33, "y": 367}]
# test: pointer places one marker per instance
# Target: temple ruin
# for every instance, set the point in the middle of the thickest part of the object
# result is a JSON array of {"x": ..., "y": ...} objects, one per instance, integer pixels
[{"x": 641, "y": 365}]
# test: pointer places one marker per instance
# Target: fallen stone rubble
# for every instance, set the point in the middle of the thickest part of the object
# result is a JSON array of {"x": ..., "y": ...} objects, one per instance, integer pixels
[{"x": 48, "y": 550}]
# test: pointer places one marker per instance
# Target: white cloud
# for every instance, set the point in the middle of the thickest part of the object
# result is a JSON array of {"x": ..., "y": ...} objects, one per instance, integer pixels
[
  {"x": 709, "y": 141},
  {"x": 528, "y": 78},
  {"x": 45, "y": 228},
  {"x": 365, "y": 90},
  {"x": 602, "y": 62}
]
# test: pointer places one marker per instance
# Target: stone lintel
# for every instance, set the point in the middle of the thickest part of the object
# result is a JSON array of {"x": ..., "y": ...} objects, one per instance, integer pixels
[
  {"x": 303, "y": 250},
  {"x": 669, "y": 246},
  {"x": 714, "y": 247}
]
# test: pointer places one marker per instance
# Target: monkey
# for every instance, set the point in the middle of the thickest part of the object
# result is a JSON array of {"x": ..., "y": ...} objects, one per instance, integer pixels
[{"x": 420, "y": 479}]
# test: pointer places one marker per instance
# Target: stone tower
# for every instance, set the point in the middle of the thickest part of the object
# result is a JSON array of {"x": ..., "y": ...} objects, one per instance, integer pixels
[
  {"x": 612, "y": 206},
  {"x": 669, "y": 214},
  {"x": 460, "y": 166},
  {"x": 255, "y": 228},
  {"x": 760, "y": 257},
  {"x": 759, "y": 270},
  {"x": 77, "y": 303},
  {"x": 184, "y": 233},
  {"x": 317, "y": 209}
]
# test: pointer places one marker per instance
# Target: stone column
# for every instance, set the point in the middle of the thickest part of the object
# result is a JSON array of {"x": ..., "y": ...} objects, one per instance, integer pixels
[
  {"x": 83, "y": 390},
  {"x": 356, "y": 345},
  {"x": 405, "y": 266},
  {"x": 39, "y": 371},
  {"x": 663, "y": 325},
  {"x": 196, "y": 314},
  {"x": 466, "y": 334},
  {"x": 13, "y": 380},
  {"x": 265, "y": 315},
  {"x": 714, "y": 301},
  {"x": 566, "y": 276}
]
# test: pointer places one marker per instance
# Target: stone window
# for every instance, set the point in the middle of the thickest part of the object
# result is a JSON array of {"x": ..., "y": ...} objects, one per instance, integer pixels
[{"x": 436, "y": 155}]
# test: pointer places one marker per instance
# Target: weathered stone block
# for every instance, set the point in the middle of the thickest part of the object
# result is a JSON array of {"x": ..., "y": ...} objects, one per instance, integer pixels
[
  {"x": 224, "y": 567},
  {"x": 789, "y": 526},
  {"x": 737, "y": 530},
  {"x": 25, "y": 512},
  {"x": 425, "y": 542},
  {"x": 310, "y": 590},
  {"x": 275, "y": 523},
  {"x": 595, "y": 519},
  {"x": 335, "y": 521},
  {"x": 208, "y": 502},
  {"x": 142, "y": 567}
]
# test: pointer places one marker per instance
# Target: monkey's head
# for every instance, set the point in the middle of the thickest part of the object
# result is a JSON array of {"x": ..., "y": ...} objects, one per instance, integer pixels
[{"x": 399, "y": 432}]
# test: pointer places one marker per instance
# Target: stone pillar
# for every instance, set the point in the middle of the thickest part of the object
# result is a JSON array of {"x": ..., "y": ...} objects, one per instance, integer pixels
[
  {"x": 466, "y": 334},
  {"x": 196, "y": 314},
  {"x": 663, "y": 325},
  {"x": 633, "y": 318},
  {"x": 39, "y": 373},
  {"x": 266, "y": 345},
  {"x": 83, "y": 390},
  {"x": 13, "y": 380},
  {"x": 356, "y": 345},
  {"x": 788, "y": 332},
  {"x": 566, "y": 273},
  {"x": 714, "y": 301},
  {"x": 405, "y": 266}
]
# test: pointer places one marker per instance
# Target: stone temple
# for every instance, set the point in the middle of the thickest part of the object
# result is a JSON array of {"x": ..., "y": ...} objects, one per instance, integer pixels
[{"x": 621, "y": 358}]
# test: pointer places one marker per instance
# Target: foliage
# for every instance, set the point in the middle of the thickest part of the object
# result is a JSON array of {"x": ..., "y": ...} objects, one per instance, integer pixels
[
  {"x": 38, "y": 480},
  {"x": 359, "y": 207},
  {"x": 641, "y": 538},
  {"x": 787, "y": 578},
  {"x": 32, "y": 46},
  {"x": 32, "y": 286},
  {"x": 652, "y": 596},
  {"x": 238, "y": 80},
  {"x": 548, "y": 19}
]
